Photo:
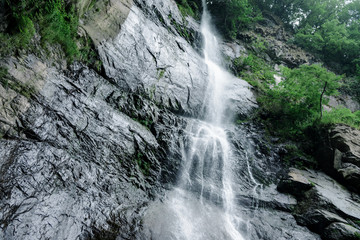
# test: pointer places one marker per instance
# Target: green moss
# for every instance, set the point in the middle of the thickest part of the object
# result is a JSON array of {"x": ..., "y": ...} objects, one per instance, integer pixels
[
  {"x": 357, "y": 235},
  {"x": 161, "y": 73},
  {"x": 187, "y": 9},
  {"x": 297, "y": 157},
  {"x": 141, "y": 162},
  {"x": 259, "y": 43},
  {"x": 88, "y": 53}
]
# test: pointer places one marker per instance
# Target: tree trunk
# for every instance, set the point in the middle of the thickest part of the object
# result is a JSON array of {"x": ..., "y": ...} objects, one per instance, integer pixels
[{"x": 321, "y": 98}]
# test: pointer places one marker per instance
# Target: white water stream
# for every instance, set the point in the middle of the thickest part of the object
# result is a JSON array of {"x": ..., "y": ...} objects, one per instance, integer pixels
[{"x": 202, "y": 204}]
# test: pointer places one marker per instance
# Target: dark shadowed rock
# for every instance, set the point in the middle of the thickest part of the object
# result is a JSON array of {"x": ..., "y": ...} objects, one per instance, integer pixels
[{"x": 340, "y": 231}]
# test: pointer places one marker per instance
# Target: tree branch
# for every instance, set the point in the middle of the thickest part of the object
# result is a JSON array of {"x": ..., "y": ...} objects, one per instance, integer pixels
[{"x": 321, "y": 98}]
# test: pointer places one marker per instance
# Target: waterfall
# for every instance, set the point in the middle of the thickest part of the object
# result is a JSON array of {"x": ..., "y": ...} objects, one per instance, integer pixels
[{"x": 201, "y": 206}]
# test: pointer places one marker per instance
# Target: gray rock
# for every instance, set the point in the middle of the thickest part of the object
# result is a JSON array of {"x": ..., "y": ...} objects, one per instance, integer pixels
[
  {"x": 105, "y": 18},
  {"x": 276, "y": 38},
  {"x": 295, "y": 183},
  {"x": 323, "y": 204},
  {"x": 333, "y": 195}
]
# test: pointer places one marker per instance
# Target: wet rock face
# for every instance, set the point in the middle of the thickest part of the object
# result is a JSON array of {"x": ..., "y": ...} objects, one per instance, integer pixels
[
  {"x": 149, "y": 54},
  {"x": 79, "y": 163},
  {"x": 295, "y": 184},
  {"x": 84, "y": 154},
  {"x": 340, "y": 157}
]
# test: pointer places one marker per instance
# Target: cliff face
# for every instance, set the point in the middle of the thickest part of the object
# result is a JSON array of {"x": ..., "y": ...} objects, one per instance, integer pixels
[{"x": 84, "y": 153}]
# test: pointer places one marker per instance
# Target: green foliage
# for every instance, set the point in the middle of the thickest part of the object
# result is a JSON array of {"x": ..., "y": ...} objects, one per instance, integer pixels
[
  {"x": 232, "y": 16},
  {"x": 328, "y": 28},
  {"x": 332, "y": 41},
  {"x": 56, "y": 21},
  {"x": 259, "y": 44},
  {"x": 60, "y": 25},
  {"x": 294, "y": 104},
  {"x": 255, "y": 71},
  {"x": 27, "y": 31},
  {"x": 342, "y": 115},
  {"x": 20, "y": 39},
  {"x": 188, "y": 9}
]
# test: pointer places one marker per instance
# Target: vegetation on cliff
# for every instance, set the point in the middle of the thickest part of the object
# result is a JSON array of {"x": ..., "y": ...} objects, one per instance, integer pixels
[
  {"x": 328, "y": 28},
  {"x": 53, "y": 22}
]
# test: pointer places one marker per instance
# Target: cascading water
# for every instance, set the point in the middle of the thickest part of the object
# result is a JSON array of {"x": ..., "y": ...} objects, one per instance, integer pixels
[{"x": 202, "y": 205}]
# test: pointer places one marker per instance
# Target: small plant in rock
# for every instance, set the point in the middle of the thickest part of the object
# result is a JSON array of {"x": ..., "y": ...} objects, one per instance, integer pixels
[
  {"x": 188, "y": 8},
  {"x": 143, "y": 165}
]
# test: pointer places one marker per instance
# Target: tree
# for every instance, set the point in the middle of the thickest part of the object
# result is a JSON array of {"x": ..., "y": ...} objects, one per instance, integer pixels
[
  {"x": 294, "y": 103},
  {"x": 233, "y": 16}
]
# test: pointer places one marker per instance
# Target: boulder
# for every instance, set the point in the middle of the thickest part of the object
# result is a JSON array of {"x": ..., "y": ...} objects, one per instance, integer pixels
[{"x": 103, "y": 20}]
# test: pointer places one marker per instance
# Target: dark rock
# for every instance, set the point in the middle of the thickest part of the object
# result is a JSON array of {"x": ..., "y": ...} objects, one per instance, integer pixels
[
  {"x": 340, "y": 231},
  {"x": 318, "y": 220},
  {"x": 276, "y": 37}
]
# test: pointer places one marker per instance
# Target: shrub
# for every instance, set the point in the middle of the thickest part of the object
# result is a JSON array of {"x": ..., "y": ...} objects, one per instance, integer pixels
[
  {"x": 255, "y": 71},
  {"x": 296, "y": 102}
]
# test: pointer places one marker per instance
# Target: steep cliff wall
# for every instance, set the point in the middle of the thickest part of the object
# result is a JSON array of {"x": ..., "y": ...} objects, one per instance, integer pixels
[{"x": 84, "y": 152}]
